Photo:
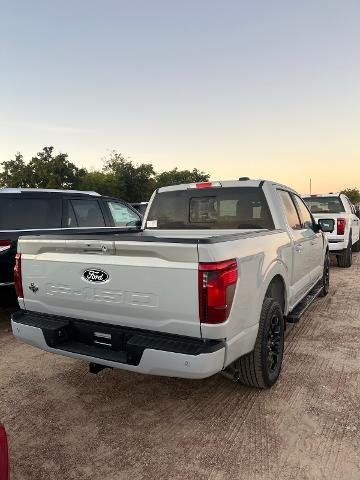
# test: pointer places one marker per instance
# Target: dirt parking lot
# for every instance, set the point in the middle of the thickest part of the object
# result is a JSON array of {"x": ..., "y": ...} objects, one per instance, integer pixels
[{"x": 65, "y": 423}]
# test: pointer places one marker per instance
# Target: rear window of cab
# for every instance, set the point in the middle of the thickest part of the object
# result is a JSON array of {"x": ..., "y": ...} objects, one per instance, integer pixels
[
  {"x": 211, "y": 208},
  {"x": 324, "y": 204}
]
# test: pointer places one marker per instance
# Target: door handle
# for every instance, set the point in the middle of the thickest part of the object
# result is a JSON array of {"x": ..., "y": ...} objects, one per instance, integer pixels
[
  {"x": 94, "y": 249},
  {"x": 299, "y": 248},
  {"x": 313, "y": 242}
]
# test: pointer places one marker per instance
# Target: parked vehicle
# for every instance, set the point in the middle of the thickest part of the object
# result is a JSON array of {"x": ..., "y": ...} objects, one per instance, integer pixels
[
  {"x": 35, "y": 211},
  {"x": 206, "y": 286},
  {"x": 140, "y": 207},
  {"x": 4, "y": 455},
  {"x": 346, "y": 236}
]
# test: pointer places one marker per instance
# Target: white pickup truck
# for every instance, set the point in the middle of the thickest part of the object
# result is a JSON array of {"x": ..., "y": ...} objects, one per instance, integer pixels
[
  {"x": 345, "y": 238},
  {"x": 206, "y": 286}
]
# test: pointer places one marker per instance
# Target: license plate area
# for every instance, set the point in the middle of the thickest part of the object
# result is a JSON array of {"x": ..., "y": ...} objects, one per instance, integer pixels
[{"x": 102, "y": 336}]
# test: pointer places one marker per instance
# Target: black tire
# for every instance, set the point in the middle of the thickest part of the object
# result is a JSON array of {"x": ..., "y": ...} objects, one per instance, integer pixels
[
  {"x": 326, "y": 275},
  {"x": 261, "y": 367},
  {"x": 345, "y": 260},
  {"x": 356, "y": 246}
]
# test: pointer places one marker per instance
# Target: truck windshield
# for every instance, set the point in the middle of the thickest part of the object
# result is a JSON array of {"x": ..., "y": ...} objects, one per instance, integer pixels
[
  {"x": 211, "y": 208},
  {"x": 324, "y": 204}
]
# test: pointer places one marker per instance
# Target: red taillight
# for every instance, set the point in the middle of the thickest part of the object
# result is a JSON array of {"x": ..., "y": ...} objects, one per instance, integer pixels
[
  {"x": 4, "y": 455},
  {"x": 17, "y": 276},
  {"x": 5, "y": 245},
  {"x": 341, "y": 224},
  {"x": 204, "y": 185},
  {"x": 217, "y": 282}
]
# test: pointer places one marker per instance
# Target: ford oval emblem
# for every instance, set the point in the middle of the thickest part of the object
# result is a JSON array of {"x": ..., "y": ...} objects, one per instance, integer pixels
[{"x": 96, "y": 276}]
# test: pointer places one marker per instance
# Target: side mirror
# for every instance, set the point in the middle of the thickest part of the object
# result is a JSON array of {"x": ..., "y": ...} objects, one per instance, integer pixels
[{"x": 326, "y": 224}]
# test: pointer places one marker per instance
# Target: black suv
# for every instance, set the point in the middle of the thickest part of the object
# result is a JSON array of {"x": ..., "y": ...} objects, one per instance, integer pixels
[{"x": 35, "y": 211}]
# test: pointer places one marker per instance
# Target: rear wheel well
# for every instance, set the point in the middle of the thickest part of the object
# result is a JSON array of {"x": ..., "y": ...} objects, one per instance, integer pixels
[{"x": 276, "y": 290}]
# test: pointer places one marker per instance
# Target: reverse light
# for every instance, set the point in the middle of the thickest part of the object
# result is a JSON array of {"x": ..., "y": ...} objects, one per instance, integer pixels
[
  {"x": 217, "y": 283},
  {"x": 4, "y": 455},
  {"x": 340, "y": 226},
  {"x": 5, "y": 245},
  {"x": 17, "y": 276}
]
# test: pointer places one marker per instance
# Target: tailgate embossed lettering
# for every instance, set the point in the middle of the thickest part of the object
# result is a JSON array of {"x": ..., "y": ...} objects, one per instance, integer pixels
[{"x": 135, "y": 299}]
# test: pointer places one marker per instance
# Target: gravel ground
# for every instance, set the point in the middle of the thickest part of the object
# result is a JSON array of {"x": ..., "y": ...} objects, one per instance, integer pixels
[{"x": 64, "y": 423}]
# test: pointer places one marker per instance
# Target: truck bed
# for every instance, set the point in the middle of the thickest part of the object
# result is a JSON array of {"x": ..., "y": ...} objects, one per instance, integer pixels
[{"x": 152, "y": 280}]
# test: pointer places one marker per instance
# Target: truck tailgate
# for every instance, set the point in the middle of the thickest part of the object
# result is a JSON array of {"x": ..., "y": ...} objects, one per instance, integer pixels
[{"x": 152, "y": 286}]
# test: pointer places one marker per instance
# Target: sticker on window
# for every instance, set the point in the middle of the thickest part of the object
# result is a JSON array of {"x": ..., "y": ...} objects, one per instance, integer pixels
[
  {"x": 151, "y": 224},
  {"x": 203, "y": 209}
]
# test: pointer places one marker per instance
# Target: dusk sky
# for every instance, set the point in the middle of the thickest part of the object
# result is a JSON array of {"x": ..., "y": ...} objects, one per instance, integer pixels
[{"x": 266, "y": 89}]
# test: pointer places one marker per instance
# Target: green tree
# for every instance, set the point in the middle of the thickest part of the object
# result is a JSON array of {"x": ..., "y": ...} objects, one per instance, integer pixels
[
  {"x": 120, "y": 177},
  {"x": 353, "y": 195},
  {"x": 54, "y": 171},
  {"x": 15, "y": 173},
  {"x": 175, "y": 177},
  {"x": 101, "y": 182},
  {"x": 45, "y": 170},
  {"x": 134, "y": 183}
]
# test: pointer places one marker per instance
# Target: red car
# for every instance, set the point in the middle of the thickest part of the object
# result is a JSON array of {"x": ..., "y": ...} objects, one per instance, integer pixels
[{"x": 4, "y": 455}]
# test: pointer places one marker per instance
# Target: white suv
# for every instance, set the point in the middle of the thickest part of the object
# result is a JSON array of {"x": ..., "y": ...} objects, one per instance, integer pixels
[{"x": 346, "y": 236}]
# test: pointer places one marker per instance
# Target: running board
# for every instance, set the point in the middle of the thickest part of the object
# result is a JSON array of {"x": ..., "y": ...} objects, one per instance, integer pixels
[{"x": 305, "y": 303}]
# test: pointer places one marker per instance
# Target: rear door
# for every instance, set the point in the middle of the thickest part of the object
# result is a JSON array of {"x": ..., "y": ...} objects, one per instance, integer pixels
[
  {"x": 316, "y": 251},
  {"x": 302, "y": 248}
]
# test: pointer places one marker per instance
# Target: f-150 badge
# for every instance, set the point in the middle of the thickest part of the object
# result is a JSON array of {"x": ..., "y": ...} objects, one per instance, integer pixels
[{"x": 96, "y": 276}]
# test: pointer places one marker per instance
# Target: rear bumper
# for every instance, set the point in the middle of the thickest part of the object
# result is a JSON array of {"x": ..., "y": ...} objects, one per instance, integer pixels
[
  {"x": 129, "y": 349},
  {"x": 336, "y": 245}
]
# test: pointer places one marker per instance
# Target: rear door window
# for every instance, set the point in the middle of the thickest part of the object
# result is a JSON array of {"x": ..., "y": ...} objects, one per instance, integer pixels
[
  {"x": 307, "y": 221},
  {"x": 290, "y": 210},
  {"x": 30, "y": 213},
  {"x": 88, "y": 213}
]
